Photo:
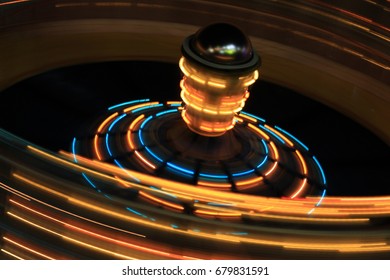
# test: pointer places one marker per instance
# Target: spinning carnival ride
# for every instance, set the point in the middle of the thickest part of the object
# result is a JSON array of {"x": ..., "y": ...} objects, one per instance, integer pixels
[{"x": 190, "y": 179}]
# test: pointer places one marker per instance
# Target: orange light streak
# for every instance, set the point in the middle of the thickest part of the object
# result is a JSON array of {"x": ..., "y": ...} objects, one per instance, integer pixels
[
  {"x": 302, "y": 161},
  {"x": 96, "y": 147},
  {"x": 40, "y": 186},
  {"x": 313, "y": 220},
  {"x": 11, "y": 254},
  {"x": 27, "y": 248},
  {"x": 83, "y": 218},
  {"x": 225, "y": 186},
  {"x": 106, "y": 121},
  {"x": 162, "y": 202},
  {"x": 63, "y": 5},
  {"x": 248, "y": 118},
  {"x": 129, "y": 140},
  {"x": 70, "y": 239},
  {"x": 13, "y": 2},
  {"x": 272, "y": 168},
  {"x": 15, "y": 192},
  {"x": 100, "y": 236},
  {"x": 258, "y": 131},
  {"x": 300, "y": 189},
  {"x": 113, "y": 4},
  {"x": 174, "y": 102},
  {"x": 144, "y": 160},
  {"x": 280, "y": 135},
  {"x": 249, "y": 182},
  {"x": 217, "y": 214},
  {"x": 274, "y": 150},
  {"x": 188, "y": 193},
  {"x": 139, "y": 106}
]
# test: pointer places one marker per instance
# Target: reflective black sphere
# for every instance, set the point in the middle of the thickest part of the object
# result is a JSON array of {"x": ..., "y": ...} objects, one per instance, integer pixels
[{"x": 222, "y": 43}]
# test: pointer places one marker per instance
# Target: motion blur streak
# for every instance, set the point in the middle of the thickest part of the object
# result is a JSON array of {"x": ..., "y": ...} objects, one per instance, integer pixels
[
  {"x": 267, "y": 215},
  {"x": 341, "y": 43}
]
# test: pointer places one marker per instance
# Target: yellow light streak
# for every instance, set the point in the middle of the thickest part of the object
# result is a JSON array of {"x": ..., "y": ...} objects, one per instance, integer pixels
[
  {"x": 100, "y": 236},
  {"x": 15, "y": 192},
  {"x": 11, "y": 254},
  {"x": 215, "y": 84},
  {"x": 217, "y": 214},
  {"x": 86, "y": 245},
  {"x": 27, "y": 248}
]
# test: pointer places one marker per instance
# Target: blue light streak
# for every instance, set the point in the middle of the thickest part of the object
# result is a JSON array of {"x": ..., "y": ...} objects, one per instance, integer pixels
[
  {"x": 243, "y": 173},
  {"x": 293, "y": 137},
  {"x": 135, "y": 212},
  {"x": 115, "y": 121},
  {"x": 89, "y": 181},
  {"x": 220, "y": 204},
  {"x": 108, "y": 145},
  {"x": 265, "y": 146},
  {"x": 140, "y": 214},
  {"x": 83, "y": 174},
  {"x": 239, "y": 233},
  {"x": 128, "y": 103},
  {"x": 322, "y": 197},
  {"x": 127, "y": 172},
  {"x": 166, "y": 112},
  {"x": 273, "y": 134},
  {"x": 321, "y": 170},
  {"x": 184, "y": 170},
  {"x": 253, "y": 116},
  {"x": 143, "y": 142},
  {"x": 261, "y": 163},
  {"x": 74, "y": 149},
  {"x": 153, "y": 154},
  {"x": 145, "y": 122},
  {"x": 163, "y": 192},
  {"x": 147, "y": 107},
  {"x": 213, "y": 176}
]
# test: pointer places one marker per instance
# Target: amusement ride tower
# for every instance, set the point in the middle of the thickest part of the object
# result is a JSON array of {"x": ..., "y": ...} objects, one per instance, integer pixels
[{"x": 205, "y": 139}]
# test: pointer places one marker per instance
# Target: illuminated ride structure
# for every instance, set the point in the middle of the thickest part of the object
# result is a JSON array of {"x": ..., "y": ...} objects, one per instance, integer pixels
[
  {"x": 216, "y": 146},
  {"x": 197, "y": 178}
]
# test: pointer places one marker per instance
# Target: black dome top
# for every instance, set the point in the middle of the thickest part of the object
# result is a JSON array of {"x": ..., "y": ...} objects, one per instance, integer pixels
[{"x": 222, "y": 43}]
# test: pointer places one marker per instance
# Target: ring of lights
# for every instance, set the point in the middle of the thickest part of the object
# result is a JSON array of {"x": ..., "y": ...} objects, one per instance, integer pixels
[
  {"x": 80, "y": 222},
  {"x": 129, "y": 138}
]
